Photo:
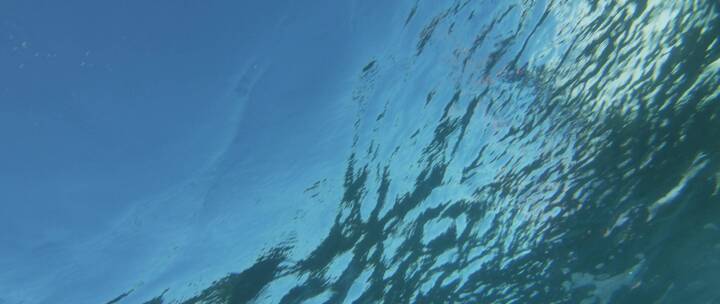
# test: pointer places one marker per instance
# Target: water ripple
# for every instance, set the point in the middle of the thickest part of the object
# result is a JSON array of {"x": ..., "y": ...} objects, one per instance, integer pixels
[{"x": 523, "y": 152}]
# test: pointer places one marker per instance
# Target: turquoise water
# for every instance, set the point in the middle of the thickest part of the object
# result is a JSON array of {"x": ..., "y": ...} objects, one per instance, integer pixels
[{"x": 440, "y": 152}]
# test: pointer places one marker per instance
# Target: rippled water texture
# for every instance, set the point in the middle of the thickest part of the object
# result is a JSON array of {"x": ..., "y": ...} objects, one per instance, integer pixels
[
  {"x": 522, "y": 152},
  {"x": 501, "y": 152}
]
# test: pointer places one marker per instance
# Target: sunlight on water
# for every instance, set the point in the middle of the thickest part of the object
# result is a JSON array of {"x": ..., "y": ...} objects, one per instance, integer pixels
[{"x": 536, "y": 151}]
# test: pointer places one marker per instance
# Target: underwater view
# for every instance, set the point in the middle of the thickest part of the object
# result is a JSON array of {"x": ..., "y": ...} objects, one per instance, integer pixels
[{"x": 359, "y": 151}]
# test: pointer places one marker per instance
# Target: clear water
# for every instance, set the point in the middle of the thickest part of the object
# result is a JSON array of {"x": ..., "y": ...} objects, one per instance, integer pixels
[{"x": 438, "y": 152}]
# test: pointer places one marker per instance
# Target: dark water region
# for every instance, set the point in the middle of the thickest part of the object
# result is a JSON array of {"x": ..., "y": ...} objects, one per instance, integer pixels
[{"x": 522, "y": 152}]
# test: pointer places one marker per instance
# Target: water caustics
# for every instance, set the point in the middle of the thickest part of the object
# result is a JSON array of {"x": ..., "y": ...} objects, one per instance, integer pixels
[{"x": 489, "y": 152}]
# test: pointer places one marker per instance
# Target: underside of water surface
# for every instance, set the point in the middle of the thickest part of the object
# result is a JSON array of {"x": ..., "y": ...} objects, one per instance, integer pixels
[{"x": 476, "y": 152}]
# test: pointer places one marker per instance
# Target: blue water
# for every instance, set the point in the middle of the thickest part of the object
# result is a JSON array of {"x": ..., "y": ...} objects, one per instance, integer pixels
[{"x": 360, "y": 151}]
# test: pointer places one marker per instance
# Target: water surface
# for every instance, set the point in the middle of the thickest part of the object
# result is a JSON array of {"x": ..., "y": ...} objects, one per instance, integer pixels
[{"x": 414, "y": 152}]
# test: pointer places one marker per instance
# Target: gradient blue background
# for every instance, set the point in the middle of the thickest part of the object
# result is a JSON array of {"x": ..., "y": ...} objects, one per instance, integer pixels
[{"x": 106, "y": 103}]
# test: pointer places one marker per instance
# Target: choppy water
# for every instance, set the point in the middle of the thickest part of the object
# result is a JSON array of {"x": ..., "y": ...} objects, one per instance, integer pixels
[
  {"x": 500, "y": 152},
  {"x": 522, "y": 152}
]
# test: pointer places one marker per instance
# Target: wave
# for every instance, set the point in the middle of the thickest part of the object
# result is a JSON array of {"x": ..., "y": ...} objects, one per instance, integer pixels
[{"x": 535, "y": 151}]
